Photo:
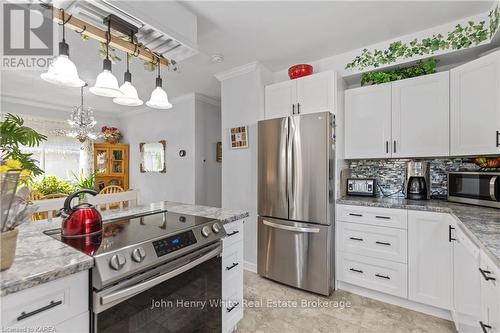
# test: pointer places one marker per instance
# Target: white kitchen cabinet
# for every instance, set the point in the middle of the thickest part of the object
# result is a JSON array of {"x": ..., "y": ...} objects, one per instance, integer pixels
[
  {"x": 368, "y": 122},
  {"x": 430, "y": 258},
  {"x": 308, "y": 94},
  {"x": 466, "y": 284},
  {"x": 51, "y": 304},
  {"x": 475, "y": 107},
  {"x": 490, "y": 294},
  {"x": 280, "y": 99},
  {"x": 420, "y": 116},
  {"x": 315, "y": 93},
  {"x": 232, "y": 275}
]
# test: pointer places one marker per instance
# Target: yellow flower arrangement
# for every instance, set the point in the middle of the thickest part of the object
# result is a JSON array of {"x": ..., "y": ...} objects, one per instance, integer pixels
[{"x": 11, "y": 164}]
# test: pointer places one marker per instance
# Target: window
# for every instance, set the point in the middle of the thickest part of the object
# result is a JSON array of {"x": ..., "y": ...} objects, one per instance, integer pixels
[{"x": 59, "y": 155}]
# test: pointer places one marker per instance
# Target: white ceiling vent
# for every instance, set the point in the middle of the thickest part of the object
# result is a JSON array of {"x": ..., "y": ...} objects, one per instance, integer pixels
[{"x": 154, "y": 38}]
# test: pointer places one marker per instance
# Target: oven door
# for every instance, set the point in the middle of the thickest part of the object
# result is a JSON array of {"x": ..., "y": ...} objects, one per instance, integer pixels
[
  {"x": 181, "y": 296},
  {"x": 474, "y": 187}
]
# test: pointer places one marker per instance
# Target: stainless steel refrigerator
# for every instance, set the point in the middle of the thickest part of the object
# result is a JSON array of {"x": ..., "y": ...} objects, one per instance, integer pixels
[{"x": 296, "y": 201}]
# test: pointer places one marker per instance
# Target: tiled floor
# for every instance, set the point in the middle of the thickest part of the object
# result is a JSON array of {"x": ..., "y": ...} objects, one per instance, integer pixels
[{"x": 363, "y": 314}]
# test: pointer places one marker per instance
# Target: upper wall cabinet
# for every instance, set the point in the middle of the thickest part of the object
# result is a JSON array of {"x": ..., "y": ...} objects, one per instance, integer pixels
[
  {"x": 475, "y": 107},
  {"x": 420, "y": 116},
  {"x": 313, "y": 93},
  {"x": 408, "y": 118},
  {"x": 368, "y": 122}
]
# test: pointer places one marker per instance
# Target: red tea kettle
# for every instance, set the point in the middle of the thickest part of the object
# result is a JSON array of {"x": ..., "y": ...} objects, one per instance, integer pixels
[{"x": 80, "y": 220}]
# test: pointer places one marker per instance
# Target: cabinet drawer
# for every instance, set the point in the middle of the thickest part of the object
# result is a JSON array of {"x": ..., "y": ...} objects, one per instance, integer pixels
[
  {"x": 232, "y": 307},
  {"x": 373, "y": 241},
  {"x": 232, "y": 261},
  {"x": 385, "y": 217},
  {"x": 382, "y": 275},
  {"x": 234, "y": 231},
  {"x": 47, "y": 304}
]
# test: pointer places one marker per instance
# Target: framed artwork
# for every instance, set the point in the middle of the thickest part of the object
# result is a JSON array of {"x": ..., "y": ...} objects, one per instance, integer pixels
[
  {"x": 239, "y": 137},
  {"x": 218, "y": 152}
]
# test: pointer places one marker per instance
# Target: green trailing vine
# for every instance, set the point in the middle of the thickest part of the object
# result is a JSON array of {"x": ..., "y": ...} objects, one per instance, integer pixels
[
  {"x": 461, "y": 37},
  {"x": 422, "y": 67}
]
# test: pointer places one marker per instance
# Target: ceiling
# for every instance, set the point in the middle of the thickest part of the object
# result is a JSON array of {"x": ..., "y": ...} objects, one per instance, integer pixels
[{"x": 275, "y": 33}]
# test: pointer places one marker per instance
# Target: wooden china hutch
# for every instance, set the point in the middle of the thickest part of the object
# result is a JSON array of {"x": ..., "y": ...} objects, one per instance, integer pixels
[{"x": 111, "y": 165}]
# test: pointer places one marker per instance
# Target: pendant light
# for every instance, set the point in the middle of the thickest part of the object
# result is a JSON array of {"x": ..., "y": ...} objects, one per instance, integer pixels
[
  {"x": 62, "y": 71},
  {"x": 130, "y": 97},
  {"x": 159, "y": 98},
  {"x": 106, "y": 83}
]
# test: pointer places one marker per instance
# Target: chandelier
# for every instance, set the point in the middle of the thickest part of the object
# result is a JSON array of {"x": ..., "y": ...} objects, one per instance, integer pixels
[{"x": 82, "y": 123}]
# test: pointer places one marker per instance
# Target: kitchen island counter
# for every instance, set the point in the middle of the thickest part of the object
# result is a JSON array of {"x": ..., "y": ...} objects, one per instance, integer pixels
[{"x": 41, "y": 258}]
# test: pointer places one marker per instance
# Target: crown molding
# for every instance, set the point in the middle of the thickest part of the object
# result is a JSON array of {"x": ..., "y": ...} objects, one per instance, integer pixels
[
  {"x": 237, "y": 71},
  {"x": 13, "y": 99}
]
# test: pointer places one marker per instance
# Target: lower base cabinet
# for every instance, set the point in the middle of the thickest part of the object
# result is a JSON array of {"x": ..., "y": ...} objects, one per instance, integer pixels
[
  {"x": 61, "y": 305},
  {"x": 232, "y": 276},
  {"x": 490, "y": 295},
  {"x": 430, "y": 254}
]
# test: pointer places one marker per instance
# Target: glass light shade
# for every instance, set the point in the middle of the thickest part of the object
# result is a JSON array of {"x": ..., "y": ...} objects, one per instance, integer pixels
[
  {"x": 130, "y": 97},
  {"x": 159, "y": 99},
  {"x": 63, "y": 72},
  {"x": 106, "y": 85}
]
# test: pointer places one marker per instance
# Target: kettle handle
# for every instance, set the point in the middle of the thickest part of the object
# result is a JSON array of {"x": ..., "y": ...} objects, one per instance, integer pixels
[{"x": 67, "y": 203}]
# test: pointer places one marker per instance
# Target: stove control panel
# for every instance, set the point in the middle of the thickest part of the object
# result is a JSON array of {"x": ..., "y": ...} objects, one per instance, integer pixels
[{"x": 173, "y": 243}]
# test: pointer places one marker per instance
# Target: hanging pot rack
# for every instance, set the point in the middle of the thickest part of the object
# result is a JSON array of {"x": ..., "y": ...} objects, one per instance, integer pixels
[{"x": 100, "y": 35}]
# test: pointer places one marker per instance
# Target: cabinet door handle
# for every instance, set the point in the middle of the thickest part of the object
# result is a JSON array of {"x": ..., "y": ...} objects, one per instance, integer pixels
[
  {"x": 298, "y": 108},
  {"x": 383, "y": 243},
  {"x": 356, "y": 270},
  {"x": 383, "y": 276},
  {"x": 293, "y": 108},
  {"x": 387, "y": 147},
  {"x": 498, "y": 138},
  {"x": 51, "y": 305},
  {"x": 450, "y": 228},
  {"x": 484, "y": 327},
  {"x": 383, "y": 217},
  {"x": 356, "y": 239},
  {"x": 394, "y": 145},
  {"x": 228, "y": 268},
  {"x": 358, "y": 215},
  {"x": 233, "y": 233},
  {"x": 233, "y": 307},
  {"x": 485, "y": 273}
]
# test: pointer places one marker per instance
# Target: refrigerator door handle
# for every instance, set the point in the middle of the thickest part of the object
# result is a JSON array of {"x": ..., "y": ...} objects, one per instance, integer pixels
[
  {"x": 289, "y": 165},
  {"x": 290, "y": 228}
]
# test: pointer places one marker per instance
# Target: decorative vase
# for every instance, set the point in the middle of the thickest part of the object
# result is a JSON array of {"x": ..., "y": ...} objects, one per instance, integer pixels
[
  {"x": 8, "y": 242},
  {"x": 111, "y": 140}
]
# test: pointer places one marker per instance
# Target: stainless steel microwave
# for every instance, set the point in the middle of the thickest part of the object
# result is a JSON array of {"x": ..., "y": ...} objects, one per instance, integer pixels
[{"x": 477, "y": 188}]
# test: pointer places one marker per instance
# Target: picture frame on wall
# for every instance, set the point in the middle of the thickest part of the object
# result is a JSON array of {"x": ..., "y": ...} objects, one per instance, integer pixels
[
  {"x": 218, "y": 152},
  {"x": 239, "y": 137}
]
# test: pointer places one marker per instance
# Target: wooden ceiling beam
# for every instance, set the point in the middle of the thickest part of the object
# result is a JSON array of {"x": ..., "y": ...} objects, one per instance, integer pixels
[{"x": 93, "y": 32}]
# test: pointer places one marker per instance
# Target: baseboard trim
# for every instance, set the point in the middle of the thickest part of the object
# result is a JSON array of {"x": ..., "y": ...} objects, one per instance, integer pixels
[
  {"x": 394, "y": 300},
  {"x": 250, "y": 266}
]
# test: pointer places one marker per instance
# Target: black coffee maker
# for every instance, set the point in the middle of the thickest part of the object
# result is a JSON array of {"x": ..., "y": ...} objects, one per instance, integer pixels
[{"x": 417, "y": 180}]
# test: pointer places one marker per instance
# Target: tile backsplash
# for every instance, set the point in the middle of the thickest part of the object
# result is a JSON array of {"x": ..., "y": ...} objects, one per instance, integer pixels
[{"x": 391, "y": 174}]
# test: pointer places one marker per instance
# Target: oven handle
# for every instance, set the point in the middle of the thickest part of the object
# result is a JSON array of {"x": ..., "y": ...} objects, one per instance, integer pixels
[
  {"x": 138, "y": 288},
  {"x": 493, "y": 181}
]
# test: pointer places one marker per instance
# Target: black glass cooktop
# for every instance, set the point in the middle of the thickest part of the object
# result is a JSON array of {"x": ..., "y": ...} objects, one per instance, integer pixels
[{"x": 120, "y": 233}]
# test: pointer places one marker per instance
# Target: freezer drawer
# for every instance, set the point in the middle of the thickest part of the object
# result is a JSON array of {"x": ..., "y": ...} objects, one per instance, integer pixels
[{"x": 296, "y": 254}]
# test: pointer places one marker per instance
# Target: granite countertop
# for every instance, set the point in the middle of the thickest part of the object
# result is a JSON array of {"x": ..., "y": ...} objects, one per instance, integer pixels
[
  {"x": 482, "y": 224},
  {"x": 41, "y": 258}
]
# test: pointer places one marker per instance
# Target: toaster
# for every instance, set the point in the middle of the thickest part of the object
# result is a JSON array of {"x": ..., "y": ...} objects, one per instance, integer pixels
[{"x": 364, "y": 187}]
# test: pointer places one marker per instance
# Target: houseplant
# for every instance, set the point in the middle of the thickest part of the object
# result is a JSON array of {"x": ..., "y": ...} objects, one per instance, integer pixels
[
  {"x": 53, "y": 185},
  {"x": 13, "y": 135}
]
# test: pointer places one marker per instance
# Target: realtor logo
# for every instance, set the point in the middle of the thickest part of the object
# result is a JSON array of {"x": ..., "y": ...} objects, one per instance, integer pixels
[{"x": 27, "y": 30}]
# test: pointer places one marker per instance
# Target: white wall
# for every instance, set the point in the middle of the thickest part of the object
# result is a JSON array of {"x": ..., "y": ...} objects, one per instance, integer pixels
[
  {"x": 177, "y": 127},
  {"x": 242, "y": 103},
  {"x": 208, "y": 171},
  {"x": 193, "y": 125}
]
